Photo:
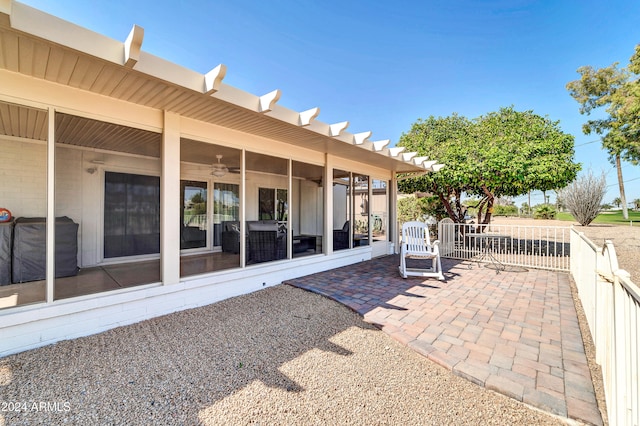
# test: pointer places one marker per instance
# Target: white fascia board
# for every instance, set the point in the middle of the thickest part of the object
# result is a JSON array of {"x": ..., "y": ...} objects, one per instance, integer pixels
[
  {"x": 345, "y": 137},
  {"x": 319, "y": 127},
  {"x": 52, "y": 28},
  {"x": 283, "y": 114},
  {"x": 169, "y": 71},
  {"x": 238, "y": 97}
]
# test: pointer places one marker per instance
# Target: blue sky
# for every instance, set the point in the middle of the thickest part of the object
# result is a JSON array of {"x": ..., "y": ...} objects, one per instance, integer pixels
[{"x": 382, "y": 65}]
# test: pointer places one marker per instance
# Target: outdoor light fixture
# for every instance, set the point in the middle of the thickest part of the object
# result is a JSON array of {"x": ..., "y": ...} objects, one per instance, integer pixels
[{"x": 219, "y": 169}]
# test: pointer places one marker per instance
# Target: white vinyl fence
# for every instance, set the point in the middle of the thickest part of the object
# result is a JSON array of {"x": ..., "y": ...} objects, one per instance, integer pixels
[
  {"x": 611, "y": 303},
  {"x": 539, "y": 247}
]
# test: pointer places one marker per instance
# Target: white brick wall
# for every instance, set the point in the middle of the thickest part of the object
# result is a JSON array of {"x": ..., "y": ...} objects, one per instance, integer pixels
[{"x": 23, "y": 178}]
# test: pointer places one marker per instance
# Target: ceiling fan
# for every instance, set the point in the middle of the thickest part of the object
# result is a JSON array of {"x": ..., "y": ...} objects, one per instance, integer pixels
[{"x": 220, "y": 169}]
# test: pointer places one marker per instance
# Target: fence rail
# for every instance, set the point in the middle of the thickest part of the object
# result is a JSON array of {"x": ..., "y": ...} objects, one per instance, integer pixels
[
  {"x": 611, "y": 303},
  {"x": 516, "y": 245}
]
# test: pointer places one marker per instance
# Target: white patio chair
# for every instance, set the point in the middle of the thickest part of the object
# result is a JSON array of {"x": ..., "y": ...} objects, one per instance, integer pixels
[{"x": 417, "y": 245}]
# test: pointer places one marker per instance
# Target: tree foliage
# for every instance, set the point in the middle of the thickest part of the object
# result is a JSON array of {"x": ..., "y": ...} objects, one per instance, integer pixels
[
  {"x": 504, "y": 153},
  {"x": 618, "y": 92}
]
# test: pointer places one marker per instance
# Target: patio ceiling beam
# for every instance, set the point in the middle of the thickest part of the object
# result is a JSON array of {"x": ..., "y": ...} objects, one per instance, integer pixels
[
  {"x": 337, "y": 128},
  {"x": 380, "y": 145},
  {"x": 132, "y": 46},
  {"x": 269, "y": 100},
  {"x": 360, "y": 138},
  {"x": 395, "y": 151},
  {"x": 419, "y": 160},
  {"x": 406, "y": 156},
  {"x": 306, "y": 117},
  {"x": 213, "y": 79}
]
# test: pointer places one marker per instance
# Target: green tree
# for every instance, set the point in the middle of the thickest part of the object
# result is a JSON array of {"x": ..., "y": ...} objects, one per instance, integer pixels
[
  {"x": 502, "y": 154},
  {"x": 617, "y": 201},
  {"x": 409, "y": 209},
  {"x": 446, "y": 139},
  {"x": 618, "y": 92}
]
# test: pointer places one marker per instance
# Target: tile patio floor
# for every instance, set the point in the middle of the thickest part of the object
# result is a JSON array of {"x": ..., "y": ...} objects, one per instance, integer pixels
[{"x": 516, "y": 333}]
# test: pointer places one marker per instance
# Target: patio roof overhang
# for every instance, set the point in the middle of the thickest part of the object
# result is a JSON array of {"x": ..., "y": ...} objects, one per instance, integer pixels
[{"x": 42, "y": 46}]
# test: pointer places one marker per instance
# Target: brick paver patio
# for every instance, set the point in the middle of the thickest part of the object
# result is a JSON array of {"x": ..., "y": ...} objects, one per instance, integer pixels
[{"x": 516, "y": 333}]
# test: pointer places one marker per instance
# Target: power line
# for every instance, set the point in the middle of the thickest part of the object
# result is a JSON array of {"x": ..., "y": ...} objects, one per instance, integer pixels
[
  {"x": 587, "y": 143},
  {"x": 624, "y": 181}
]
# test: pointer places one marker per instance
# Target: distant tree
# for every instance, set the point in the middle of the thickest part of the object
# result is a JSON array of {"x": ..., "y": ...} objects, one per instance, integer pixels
[
  {"x": 618, "y": 90},
  {"x": 544, "y": 211},
  {"x": 606, "y": 206},
  {"x": 617, "y": 201},
  {"x": 583, "y": 197},
  {"x": 502, "y": 154},
  {"x": 636, "y": 204}
]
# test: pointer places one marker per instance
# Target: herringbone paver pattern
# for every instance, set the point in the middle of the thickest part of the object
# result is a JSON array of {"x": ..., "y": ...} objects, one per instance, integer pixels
[{"x": 514, "y": 332}]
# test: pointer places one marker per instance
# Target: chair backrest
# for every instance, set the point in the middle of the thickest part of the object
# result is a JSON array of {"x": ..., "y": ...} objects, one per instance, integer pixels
[{"x": 415, "y": 235}]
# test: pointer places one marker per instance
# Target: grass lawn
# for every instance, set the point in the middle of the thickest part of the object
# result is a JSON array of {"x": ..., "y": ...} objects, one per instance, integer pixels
[{"x": 614, "y": 218}]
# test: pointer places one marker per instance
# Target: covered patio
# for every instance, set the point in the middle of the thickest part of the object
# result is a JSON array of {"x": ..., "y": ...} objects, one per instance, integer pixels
[{"x": 516, "y": 333}]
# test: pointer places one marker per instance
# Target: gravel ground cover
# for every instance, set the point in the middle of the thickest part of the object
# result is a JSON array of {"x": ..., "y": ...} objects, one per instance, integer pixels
[{"x": 276, "y": 356}]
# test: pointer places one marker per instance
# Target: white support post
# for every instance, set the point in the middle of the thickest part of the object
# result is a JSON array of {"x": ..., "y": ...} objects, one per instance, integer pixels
[
  {"x": 170, "y": 200},
  {"x": 51, "y": 205},
  {"x": 243, "y": 210},
  {"x": 327, "y": 247},
  {"x": 393, "y": 213},
  {"x": 289, "y": 203}
]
